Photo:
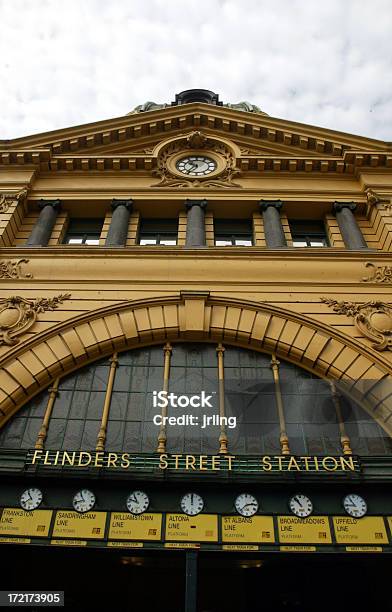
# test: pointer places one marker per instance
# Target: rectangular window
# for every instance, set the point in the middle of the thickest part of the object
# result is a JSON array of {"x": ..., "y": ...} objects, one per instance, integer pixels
[
  {"x": 154, "y": 232},
  {"x": 236, "y": 232},
  {"x": 308, "y": 233},
  {"x": 83, "y": 231}
]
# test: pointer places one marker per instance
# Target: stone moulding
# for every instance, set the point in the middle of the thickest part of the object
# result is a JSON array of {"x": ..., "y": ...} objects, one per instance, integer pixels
[
  {"x": 12, "y": 269},
  {"x": 379, "y": 274},
  {"x": 372, "y": 319},
  {"x": 18, "y": 315}
]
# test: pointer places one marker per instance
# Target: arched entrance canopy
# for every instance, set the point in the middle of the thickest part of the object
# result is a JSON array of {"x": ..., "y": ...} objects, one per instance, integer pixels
[{"x": 32, "y": 365}]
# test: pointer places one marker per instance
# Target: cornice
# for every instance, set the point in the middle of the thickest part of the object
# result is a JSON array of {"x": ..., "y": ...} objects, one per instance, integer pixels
[
  {"x": 259, "y": 128},
  {"x": 47, "y": 161},
  {"x": 137, "y": 251}
]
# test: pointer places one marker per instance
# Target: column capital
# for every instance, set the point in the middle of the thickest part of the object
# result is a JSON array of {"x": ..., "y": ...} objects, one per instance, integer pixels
[
  {"x": 201, "y": 203},
  {"x": 128, "y": 204},
  {"x": 55, "y": 204},
  {"x": 338, "y": 206},
  {"x": 264, "y": 204}
]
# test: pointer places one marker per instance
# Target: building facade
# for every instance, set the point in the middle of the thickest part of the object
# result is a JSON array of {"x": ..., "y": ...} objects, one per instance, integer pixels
[{"x": 195, "y": 345}]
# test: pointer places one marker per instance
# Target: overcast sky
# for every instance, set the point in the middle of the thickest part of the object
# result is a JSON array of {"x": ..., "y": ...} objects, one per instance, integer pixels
[{"x": 69, "y": 62}]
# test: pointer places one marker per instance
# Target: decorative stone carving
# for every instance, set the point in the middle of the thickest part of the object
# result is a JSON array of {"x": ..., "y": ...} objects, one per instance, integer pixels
[
  {"x": 18, "y": 315},
  {"x": 372, "y": 319},
  {"x": 196, "y": 140},
  {"x": 373, "y": 199},
  {"x": 6, "y": 199},
  {"x": 12, "y": 269},
  {"x": 380, "y": 274}
]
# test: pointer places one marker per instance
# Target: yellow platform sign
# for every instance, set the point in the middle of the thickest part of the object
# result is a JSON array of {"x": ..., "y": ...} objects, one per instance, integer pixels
[
  {"x": 201, "y": 528},
  {"x": 312, "y": 530},
  {"x": 17, "y": 522},
  {"x": 125, "y": 526},
  {"x": 253, "y": 529},
  {"x": 367, "y": 530},
  {"x": 73, "y": 525}
]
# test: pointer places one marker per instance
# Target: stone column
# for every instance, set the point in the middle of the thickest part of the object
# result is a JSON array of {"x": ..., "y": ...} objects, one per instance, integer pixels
[
  {"x": 195, "y": 226},
  {"x": 273, "y": 230},
  {"x": 352, "y": 235},
  {"x": 118, "y": 230},
  {"x": 42, "y": 230}
]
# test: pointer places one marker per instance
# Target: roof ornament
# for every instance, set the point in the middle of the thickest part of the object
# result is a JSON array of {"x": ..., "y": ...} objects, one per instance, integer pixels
[{"x": 198, "y": 95}]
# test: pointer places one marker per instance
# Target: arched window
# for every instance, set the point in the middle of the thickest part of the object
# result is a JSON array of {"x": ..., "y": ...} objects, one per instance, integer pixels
[{"x": 263, "y": 402}]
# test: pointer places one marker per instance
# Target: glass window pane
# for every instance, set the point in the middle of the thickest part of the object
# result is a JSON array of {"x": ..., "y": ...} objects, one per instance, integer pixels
[
  {"x": 148, "y": 241},
  {"x": 243, "y": 242},
  {"x": 223, "y": 242},
  {"x": 310, "y": 413},
  {"x": 168, "y": 242},
  {"x": 92, "y": 241},
  {"x": 300, "y": 243}
]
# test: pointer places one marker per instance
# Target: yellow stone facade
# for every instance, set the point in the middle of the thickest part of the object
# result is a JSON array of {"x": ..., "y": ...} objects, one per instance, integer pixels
[{"x": 266, "y": 299}]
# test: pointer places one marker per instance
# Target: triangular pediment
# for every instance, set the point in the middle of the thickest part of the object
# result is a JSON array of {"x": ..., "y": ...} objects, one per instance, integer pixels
[
  {"x": 252, "y": 131},
  {"x": 257, "y": 142}
]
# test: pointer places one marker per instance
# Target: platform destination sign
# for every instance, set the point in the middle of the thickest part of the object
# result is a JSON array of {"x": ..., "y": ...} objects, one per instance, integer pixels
[
  {"x": 366, "y": 530},
  {"x": 191, "y": 464},
  {"x": 17, "y": 522},
  {"x": 200, "y": 528},
  {"x": 126, "y": 526},
  {"x": 69, "y": 524},
  {"x": 312, "y": 530},
  {"x": 248, "y": 529}
]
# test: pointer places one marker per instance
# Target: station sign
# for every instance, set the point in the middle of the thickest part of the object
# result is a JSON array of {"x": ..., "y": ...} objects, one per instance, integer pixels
[
  {"x": 18, "y": 522},
  {"x": 312, "y": 530},
  {"x": 253, "y": 529},
  {"x": 367, "y": 530},
  {"x": 90, "y": 525},
  {"x": 192, "y": 464},
  {"x": 125, "y": 526},
  {"x": 200, "y": 528}
]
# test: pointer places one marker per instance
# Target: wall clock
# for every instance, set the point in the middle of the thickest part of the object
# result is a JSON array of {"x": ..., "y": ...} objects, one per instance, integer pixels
[
  {"x": 300, "y": 505},
  {"x": 83, "y": 501},
  {"x": 246, "y": 504},
  {"x": 31, "y": 498},
  {"x": 355, "y": 505},
  {"x": 192, "y": 504},
  {"x": 137, "y": 502},
  {"x": 196, "y": 165}
]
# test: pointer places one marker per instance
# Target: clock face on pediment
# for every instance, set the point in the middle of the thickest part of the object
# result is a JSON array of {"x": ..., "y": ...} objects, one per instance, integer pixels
[{"x": 196, "y": 165}]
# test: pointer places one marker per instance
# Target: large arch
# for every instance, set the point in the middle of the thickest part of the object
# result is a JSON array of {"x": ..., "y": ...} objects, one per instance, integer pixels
[{"x": 33, "y": 364}]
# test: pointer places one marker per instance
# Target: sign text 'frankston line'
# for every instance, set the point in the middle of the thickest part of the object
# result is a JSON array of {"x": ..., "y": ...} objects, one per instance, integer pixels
[{"x": 199, "y": 463}]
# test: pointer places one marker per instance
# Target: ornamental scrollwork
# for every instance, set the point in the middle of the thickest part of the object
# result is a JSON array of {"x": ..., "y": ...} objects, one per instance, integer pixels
[
  {"x": 13, "y": 269},
  {"x": 18, "y": 315},
  {"x": 372, "y": 319},
  {"x": 380, "y": 274},
  {"x": 374, "y": 199},
  {"x": 6, "y": 199},
  {"x": 198, "y": 141}
]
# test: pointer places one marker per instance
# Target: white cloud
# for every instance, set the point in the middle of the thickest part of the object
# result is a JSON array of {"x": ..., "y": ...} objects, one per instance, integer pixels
[{"x": 71, "y": 62}]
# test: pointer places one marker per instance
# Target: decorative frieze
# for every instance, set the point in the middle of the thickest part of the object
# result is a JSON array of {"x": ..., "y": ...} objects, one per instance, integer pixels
[
  {"x": 18, "y": 315},
  {"x": 372, "y": 319},
  {"x": 13, "y": 269},
  {"x": 379, "y": 274}
]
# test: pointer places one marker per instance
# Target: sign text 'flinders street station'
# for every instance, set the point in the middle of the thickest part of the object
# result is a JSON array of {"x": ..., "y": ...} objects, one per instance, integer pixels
[{"x": 192, "y": 463}]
